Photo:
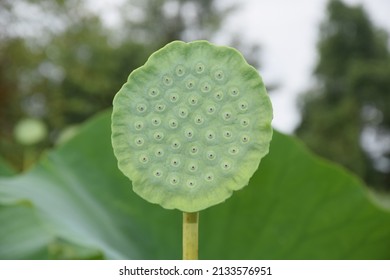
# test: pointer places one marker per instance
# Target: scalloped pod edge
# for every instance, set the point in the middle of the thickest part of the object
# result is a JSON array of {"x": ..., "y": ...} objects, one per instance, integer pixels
[{"x": 191, "y": 125}]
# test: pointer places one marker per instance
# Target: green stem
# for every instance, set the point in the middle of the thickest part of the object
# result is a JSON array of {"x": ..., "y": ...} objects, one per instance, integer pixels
[
  {"x": 29, "y": 157},
  {"x": 190, "y": 235}
]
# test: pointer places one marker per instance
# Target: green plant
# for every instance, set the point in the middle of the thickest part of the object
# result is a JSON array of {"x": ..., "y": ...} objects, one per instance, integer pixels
[
  {"x": 76, "y": 204},
  {"x": 190, "y": 127},
  {"x": 29, "y": 132}
]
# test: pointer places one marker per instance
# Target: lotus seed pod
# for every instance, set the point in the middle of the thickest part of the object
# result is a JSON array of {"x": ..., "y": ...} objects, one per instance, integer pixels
[
  {"x": 30, "y": 131},
  {"x": 191, "y": 125}
]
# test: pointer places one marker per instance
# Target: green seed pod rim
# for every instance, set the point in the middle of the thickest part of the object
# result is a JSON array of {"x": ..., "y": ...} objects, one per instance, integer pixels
[{"x": 191, "y": 125}]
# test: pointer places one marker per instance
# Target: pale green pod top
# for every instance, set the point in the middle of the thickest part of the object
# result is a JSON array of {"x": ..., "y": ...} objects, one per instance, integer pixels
[
  {"x": 30, "y": 131},
  {"x": 191, "y": 125}
]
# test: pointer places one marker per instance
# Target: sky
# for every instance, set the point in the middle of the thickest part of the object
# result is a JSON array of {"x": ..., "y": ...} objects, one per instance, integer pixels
[{"x": 287, "y": 32}]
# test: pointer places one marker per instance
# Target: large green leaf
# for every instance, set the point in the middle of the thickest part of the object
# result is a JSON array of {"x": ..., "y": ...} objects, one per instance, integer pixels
[
  {"x": 80, "y": 197},
  {"x": 76, "y": 204}
]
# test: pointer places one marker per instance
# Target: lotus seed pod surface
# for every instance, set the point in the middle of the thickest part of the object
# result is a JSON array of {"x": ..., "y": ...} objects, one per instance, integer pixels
[{"x": 191, "y": 125}]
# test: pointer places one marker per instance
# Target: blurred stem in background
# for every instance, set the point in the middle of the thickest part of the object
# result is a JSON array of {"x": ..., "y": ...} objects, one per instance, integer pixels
[{"x": 29, "y": 133}]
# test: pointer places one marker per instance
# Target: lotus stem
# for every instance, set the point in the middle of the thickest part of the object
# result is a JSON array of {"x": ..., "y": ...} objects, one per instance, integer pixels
[{"x": 190, "y": 235}]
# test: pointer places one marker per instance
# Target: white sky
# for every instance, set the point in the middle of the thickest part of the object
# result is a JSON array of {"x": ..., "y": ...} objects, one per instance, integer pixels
[{"x": 287, "y": 33}]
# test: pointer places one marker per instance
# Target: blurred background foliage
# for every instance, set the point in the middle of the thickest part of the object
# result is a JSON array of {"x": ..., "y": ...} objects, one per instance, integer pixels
[
  {"x": 346, "y": 115},
  {"x": 61, "y": 62},
  {"x": 301, "y": 207}
]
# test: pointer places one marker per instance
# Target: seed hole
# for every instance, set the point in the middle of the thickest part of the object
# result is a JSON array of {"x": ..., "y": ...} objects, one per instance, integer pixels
[
  {"x": 234, "y": 91},
  {"x": 153, "y": 92},
  {"x": 183, "y": 112},
  {"x": 210, "y": 135},
  {"x": 219, "y": 75},
  {"x": 190, "y": 84},
  {"x": 141, "y": 108},
  {"x": 144, "y": 159},
  {"x": 173, "y": 123},
  {"x": 194, "y": 150},
  {"x": 139, "y": 141},
  {"x": 193, "y": 100},
  {"x": 226, "y": 115},
  {"x": 244, "y": 122},
  {"x": 175, "y": 162},
  {"x": 175, "y": 144},
  {"x": 211, "y": 155},
  {"x": 156, "y": 121},
  {"x": 174, "y": 180},
  {"x": 191, "y": 183},
  {"x": 245, "y": 139},
  {"x": 159, "y": 152},
  {"x": 206, "y": 87},
  {"x": 211, "y": 109},
  {"x": 218, "y": 95},
  {"x": 243, "y": 106},
  {"x": 158, "y": 173},
  {"x": 199, "y": 68},
  {"x": 226, "y": 165},
  {"x": 160, "y": 107},
  {"x": 167, "y": 80},
  {"x": 158, "y": 135},
  {"x": 233, "y": 150},
  {"x": 174, "y": 97},
  {"x": 189, "y": 133},
  {"x": 227, "y": 134},
  {"x": 209, "y": 177},
  {"x": 199, "y": 120},
  {"x": 138, "y": 125},
  {"x": 180, "y": 70},
  {"x": 192, "y": 167}
]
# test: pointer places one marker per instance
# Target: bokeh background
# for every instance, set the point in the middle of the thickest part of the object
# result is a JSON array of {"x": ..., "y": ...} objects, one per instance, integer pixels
[{"x": 326, "y": 65}]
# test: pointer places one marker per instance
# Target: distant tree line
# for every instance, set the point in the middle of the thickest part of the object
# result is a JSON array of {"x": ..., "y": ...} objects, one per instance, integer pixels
[{"x": 346, "y": 115}]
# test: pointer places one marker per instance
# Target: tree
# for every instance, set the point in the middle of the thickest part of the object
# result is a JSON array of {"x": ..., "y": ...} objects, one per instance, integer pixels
[
  {"x": 350, "y": 101},
  {"x": 63, "y": 64}
]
